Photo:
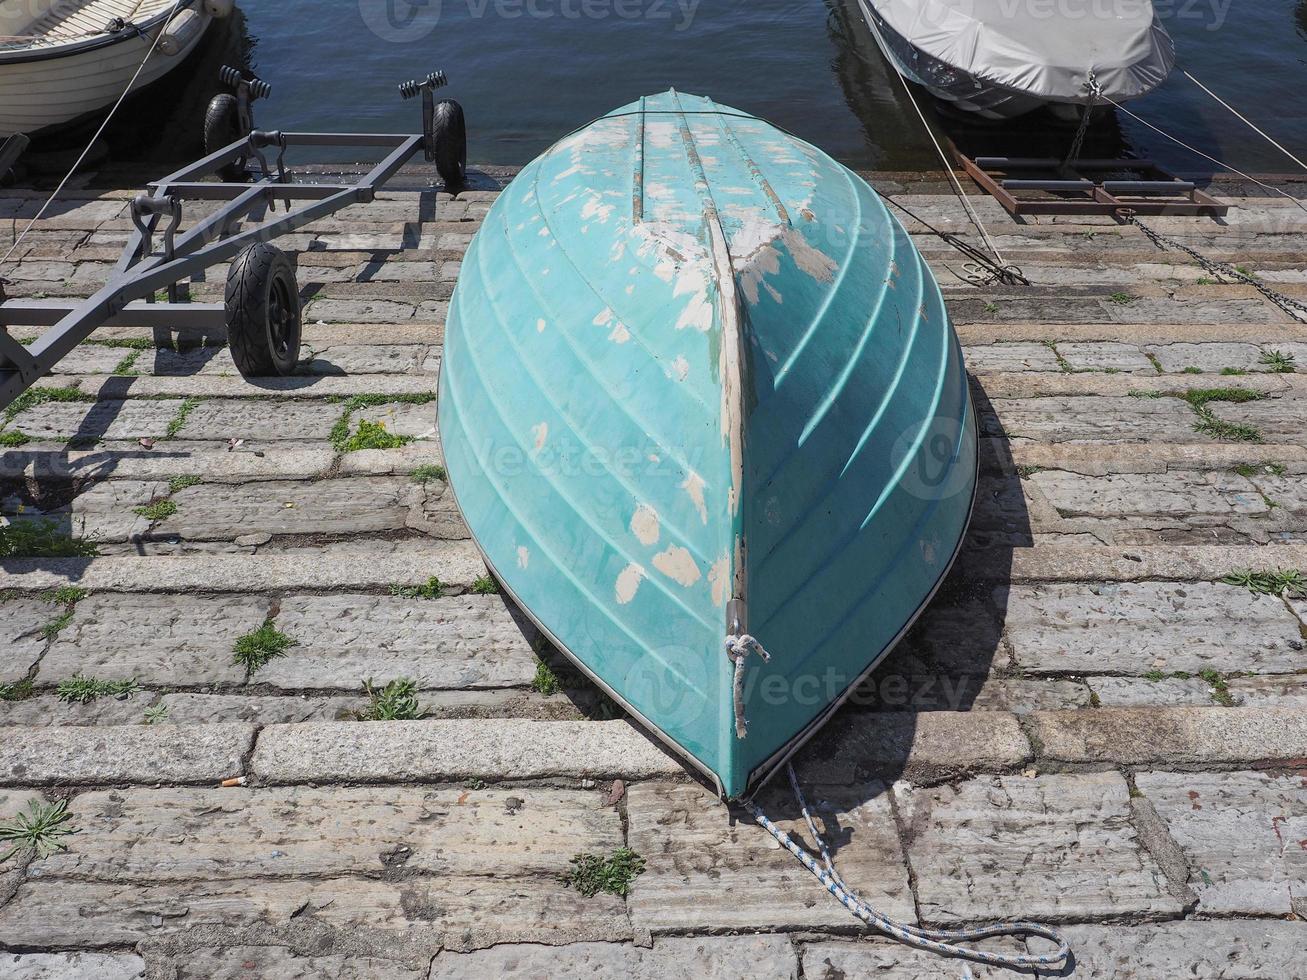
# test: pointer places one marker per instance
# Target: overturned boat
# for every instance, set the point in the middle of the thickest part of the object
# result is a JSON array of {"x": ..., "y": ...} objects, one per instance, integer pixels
[
  {"x": 64, "y": 59},
  {"x": 1000, "y": 59},
  {"x": 701, "y": 403}
]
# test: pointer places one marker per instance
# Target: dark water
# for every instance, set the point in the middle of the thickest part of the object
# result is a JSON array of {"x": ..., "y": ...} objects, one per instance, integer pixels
[{"x": 528, "y": 71}]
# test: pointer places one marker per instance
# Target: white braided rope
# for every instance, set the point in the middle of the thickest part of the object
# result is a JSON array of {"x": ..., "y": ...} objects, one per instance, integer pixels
[
  {"x": 941, "y": 941},
  {"x": 737, "y": 651}
]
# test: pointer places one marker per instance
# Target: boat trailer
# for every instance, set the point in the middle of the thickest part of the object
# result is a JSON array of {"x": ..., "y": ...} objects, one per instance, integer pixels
[{"x": 262, "y": 305}]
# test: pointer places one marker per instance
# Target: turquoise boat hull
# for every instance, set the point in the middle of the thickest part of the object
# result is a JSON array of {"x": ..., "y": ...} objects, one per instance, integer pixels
[{"x": 698, "y": 383}]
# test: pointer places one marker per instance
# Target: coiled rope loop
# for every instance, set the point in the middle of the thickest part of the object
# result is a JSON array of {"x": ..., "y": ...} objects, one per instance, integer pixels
[
  {"x": 737, "y": 651},
  {"x": 941, "y": 941}
]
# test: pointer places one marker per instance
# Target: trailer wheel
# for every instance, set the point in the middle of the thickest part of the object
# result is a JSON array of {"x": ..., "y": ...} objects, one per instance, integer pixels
[
  {"x": 263, "y": 312},
  {"x": 451, "y": 144},
  {"x": 222, "y": 127}
]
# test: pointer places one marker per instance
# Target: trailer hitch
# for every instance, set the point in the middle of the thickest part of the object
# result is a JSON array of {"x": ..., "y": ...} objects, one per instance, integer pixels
[
  {"x": 259, "y": 141},
  {"x": 144, "y": 206},
  {"x": 426, "y": 87}
]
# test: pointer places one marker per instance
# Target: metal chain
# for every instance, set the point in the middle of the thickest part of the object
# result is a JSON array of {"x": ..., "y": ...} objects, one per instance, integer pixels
[
  {"x": 1095, "y": 91},
  {"x": 981, "y": 270},
  {"x": 1290, "y": 305}
]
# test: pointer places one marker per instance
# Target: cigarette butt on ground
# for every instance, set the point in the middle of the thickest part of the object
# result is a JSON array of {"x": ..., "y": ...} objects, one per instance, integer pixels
[{"x": 234, "y": 781}]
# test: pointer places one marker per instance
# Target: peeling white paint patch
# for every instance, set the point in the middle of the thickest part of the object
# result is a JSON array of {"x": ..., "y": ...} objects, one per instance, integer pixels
[
  {"x": 717, "y": 576},
  {"x": 681, "y": 367},
  {"x": 604, "y": 318},
  {"x": 644, "y": 525},
  {"x": 628, "y": 580},
  {"x": 523, "y": 556},
  {"x": 678, "y": 565},
  {"x": 694, "y": 486},
  {"x": 540, "y": 325},
  {"x": 539, "y": 433}
]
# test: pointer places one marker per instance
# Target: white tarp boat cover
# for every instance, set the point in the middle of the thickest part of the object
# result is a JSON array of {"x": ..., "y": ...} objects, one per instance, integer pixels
[{"x": 1044, "y": 47}]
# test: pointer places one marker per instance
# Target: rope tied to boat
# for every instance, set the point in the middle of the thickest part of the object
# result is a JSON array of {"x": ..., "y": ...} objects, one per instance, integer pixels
[
  {"x": 738, "y": 649},
  {"x": 943, "y": 942}
]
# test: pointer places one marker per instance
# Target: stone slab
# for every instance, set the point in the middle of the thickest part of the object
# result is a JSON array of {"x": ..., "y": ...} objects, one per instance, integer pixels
[
  {"x": 262, "y": 419},
  {"x": 1209, "y": 736},
  {"x": 987, "y": 358},
  {"x": 163, "y": 640},
  {"x": 354, "y": 506},
  {"x": 421, "y": 909},
  {"x": 280, "y": 963},
  {"x": 127, "y": 754},
  {"x": 207, "y": 709},
  {"x": 21, "y": 642},
  {"x": 131, "y": 835},
  {"x": 1244, "y": 835},
  {"x": 49, "y": 710},
  {"x": 710, "y": 867},
  {"x": 1137, "y": 627},
  {"x": 1278, "y": 420},
  {"x": 466, "y": 641},
  {"x": 404, "y": 751},
  {"x": 1211, "y": 950},
  {"x": 401, "y": 418},
  {"x": 1057, "y": 847},
  {"x": 708, "y": 957},
  {"x": 110, "y": 419},
  {"x": 1109, "y": 356},
  {"x": 1093, "y": 419},
  {"x": 71, "y": 966},
  {"x": 101, "y": 512},
  {"x": 1172, "y": 494}
]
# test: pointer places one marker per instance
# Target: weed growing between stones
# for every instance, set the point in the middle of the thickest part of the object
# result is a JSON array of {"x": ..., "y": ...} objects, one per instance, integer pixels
[
  {"x": 176, "y": 423},
  {"x": 66, "y": 595},
  {"x": 126, "y": 367},
  {"x": 1193, "y": 370},
  {"x": 1230, "y": 371},
  {"x": 1121, "y": 299},
  {"x": 1027, "y": 470},
  {"x": 40, "y": 830},
  {"x": 425, "y": 474},
  {"x": 373, "y": 435},
  {"x": 56, "y": 626},
  {"x": 340, "y": 432},
  {"x": 1278, "y": 583},
  {"x": 432, "y": 588},
  {"x": 254, "y": 650},
  {"x": 397, "y": 701},
  {"x": 157, "y": 509},
  {"x": 1278, "y": 362},
  {"x": 485, "y": 585},
  {"x": 1259, "y": 469},
  {"x": 179, "y": 483},
  {"x": 19, "y": 691},
  {"x": 42, "y": 539},
  {"x": 591, "y": 874},
  {"x": 1152, "y": 359},
  {"x": 1219, "y": 690},
  {"x": 12, "y": 439},
  {"x": 1209, "y": 424},
  {"x": 39, "y": 396},
  {"x": 156, "y": 714},
  {"x": 81, "y": 689},
  {"x": 545, "y": 681}
]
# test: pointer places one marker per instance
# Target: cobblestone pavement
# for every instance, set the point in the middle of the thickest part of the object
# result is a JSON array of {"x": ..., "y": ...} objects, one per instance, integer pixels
[{"x": 1090, "y": 725}]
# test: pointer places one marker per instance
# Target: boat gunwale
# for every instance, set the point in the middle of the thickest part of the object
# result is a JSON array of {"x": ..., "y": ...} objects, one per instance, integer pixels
[{"x": 65, "y": 49}]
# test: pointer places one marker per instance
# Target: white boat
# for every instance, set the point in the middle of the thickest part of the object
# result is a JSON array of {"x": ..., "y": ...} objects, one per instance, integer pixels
[
  {"x": 1002, "y": 58},
  {"x": 64, "y": 59}
]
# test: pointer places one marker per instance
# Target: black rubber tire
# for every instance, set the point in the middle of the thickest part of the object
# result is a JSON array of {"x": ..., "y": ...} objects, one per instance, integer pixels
[
  {"x": 222, "y": 127},
  {"x": 263, "y": 312},
  {"x": 450, "y": 132}
]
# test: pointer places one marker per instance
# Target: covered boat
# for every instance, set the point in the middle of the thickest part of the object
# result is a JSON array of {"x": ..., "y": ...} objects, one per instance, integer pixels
[
  {"x": 1001, "y": 59},
  {"x": 700, "y": 398},
  {"x": 63, "y": 59}
]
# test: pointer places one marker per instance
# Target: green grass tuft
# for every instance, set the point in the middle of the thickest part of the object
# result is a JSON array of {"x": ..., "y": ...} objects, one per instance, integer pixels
[
  {"x": 12, "y": 439},
  {"x": 56, "y": 626},
  {"x": 372, "y": 435},
  {"x": 81, "y": 689},
  {"x": 1278, "y": 362},
  {"x": 591, "y": 874},
  {"x": 432, "y": 588},
  {"x": 425, "y": 474},
  {"x": 41, "y": 539},
  {"x": 1220, "y": 690},
  {"x": 397, "y": 701},
  {"x": 127, "y": 365},
  {"x": 1229, "y": 371},
  {"x": 156, "y": 714},
  {"x": 1278, "y": 582},
  {"x": 40, "y": 830},
  {"x": 178, "y": 421},
  {"x": 18, "y": 691},
  {"x": 254, "y": 650},
  {"x": 485, "y": 585},
  {"x": 1192, "y": 370},
  {"x": 1209, "y": 424},
  {"x": 340, "y": 432},
  {"x": 1027, "y": 470},
  {"x": 1121, "y": 299},
  {"x": 1154, "y": 675},
  {"x": 65, "y": 595},
  {"x": 157, "y": 509},
  {"x": 545, "y": 681},
  {"x": 39, "y": 396},
  {"x": 1200, "y": 397},
  {"x": 178, "y": 483}
]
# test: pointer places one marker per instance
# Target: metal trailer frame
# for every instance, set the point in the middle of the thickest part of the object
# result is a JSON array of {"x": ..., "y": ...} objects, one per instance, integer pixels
[{"x": 127, "y": 298}]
